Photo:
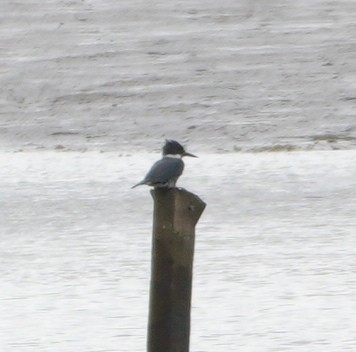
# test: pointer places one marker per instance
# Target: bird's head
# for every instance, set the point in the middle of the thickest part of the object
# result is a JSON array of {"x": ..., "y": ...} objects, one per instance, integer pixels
[{"x": 172, "y": 147}]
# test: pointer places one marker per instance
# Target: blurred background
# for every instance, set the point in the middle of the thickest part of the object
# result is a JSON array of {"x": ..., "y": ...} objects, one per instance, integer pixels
[
  {"x": 227, "y": 75},
  {"x": 264, "y": 92}
]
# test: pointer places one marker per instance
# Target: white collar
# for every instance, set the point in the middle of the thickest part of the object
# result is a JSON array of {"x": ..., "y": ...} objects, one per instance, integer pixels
[{"x": 175, "y": 156}]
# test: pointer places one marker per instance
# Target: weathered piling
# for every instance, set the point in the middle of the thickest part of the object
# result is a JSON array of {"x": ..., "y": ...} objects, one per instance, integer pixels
[{"x": 176, "y": 212}]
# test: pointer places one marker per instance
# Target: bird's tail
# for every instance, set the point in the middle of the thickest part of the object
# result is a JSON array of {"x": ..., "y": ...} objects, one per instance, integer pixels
[{"x": 138, "y": 184}]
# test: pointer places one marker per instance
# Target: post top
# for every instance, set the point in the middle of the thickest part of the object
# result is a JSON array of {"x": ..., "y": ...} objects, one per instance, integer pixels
[
  {"x": 181, "y": 192},
  {"x": 188, "y": 204}
]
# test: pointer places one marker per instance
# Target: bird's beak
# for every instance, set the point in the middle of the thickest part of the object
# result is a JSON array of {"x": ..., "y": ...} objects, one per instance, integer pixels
[{"x": 188, "y": 154}]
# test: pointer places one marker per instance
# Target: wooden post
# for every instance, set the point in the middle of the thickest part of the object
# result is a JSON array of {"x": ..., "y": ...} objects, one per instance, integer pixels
[{"x": 176, "y": 212}]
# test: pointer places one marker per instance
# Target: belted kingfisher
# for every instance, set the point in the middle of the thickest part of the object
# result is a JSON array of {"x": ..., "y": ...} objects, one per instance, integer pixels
[{"x": 165, "y": 172}]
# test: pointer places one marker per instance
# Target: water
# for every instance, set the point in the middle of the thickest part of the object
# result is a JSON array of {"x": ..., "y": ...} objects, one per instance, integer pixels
[
  {"x": 275, "y": 251},
  {"x": 274, "y": 260},
  {"x": 115, "y": 75}
]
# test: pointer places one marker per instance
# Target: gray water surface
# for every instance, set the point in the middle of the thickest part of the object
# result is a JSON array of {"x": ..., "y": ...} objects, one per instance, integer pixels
[
  {"x": 274, "y": 261},
  {"x": 226, "y": 75}
]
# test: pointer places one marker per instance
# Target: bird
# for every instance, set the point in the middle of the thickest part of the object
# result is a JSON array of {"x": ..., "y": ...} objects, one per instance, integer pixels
[{"x": 165, "y": 172}]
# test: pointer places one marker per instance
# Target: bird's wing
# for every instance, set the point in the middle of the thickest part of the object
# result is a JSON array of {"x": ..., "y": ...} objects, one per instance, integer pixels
[{"x": 164, "y": 170}]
